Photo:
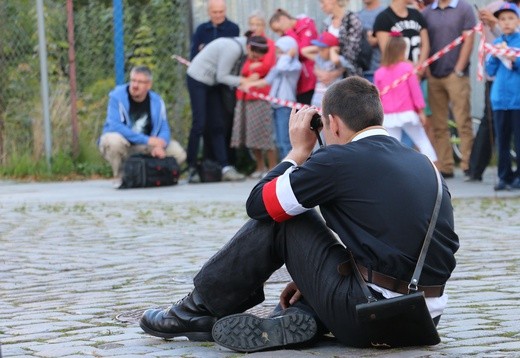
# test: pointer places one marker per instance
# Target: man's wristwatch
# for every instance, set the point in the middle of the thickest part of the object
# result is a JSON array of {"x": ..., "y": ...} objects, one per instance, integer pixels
[{"x": 458, "y": 73}]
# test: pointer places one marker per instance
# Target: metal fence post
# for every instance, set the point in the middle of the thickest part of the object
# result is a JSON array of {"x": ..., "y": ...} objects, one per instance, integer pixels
[
  {"x": 119, "y": 47},
  {"x": 72, "y": 79},
  {"x": 44, "y": 85}
]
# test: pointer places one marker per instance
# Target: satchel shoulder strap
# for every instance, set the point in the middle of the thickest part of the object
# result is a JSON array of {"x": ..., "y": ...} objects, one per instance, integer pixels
[
  {"x": 422, "y": 256},
  {"x": 429, "y": 233}
]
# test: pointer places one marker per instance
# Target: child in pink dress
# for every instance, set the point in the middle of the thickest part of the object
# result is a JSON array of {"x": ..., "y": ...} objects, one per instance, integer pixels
[{"x": 403, "y": 105}]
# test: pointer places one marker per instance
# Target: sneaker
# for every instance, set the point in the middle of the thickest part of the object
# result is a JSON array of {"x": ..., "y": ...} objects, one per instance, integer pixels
[
  {"x": 229, "y": 173},
  {"x": 245, "y": 332},
  {"x": 472, "y": 179},
  {"x": 117, "y": 183},
  {"x": 447, "y": 175},
  {"x": 516, "y": 183},
  {"x": 257, "y": 174},
  {"x": 502, "y": 185},
  {"x": 193, "y": 175}
]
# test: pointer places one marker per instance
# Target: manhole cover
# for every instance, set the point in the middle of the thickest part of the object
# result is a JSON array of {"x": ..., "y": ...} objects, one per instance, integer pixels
[
  {"x": 262, "y": 310},
  {"x": 131, "y": 316}
]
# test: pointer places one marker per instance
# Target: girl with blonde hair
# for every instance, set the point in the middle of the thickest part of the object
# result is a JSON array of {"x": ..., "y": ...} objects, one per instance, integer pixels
[{"x": 403, "y": 105}]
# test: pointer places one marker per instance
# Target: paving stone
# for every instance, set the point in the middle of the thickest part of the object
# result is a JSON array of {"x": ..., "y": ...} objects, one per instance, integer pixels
[{"x": 80, "y": 261}]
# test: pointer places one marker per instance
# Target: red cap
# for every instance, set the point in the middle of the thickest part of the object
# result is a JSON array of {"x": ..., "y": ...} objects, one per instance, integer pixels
[{"x": 326, "y": 39}]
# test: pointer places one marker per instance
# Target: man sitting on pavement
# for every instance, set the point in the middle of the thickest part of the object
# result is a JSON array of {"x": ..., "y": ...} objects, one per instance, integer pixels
[
  {"x": 374, "y": 193},
  {"x": 136, "y": 123}
]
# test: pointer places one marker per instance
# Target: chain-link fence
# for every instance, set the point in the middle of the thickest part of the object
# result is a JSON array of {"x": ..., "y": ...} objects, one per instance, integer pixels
[{"x": 153, "y": 31}]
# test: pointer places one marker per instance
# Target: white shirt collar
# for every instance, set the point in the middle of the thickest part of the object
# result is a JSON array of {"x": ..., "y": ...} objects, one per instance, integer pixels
[
  {"x": 453, "y": 4},
  {"x": 370, "y": 133}
]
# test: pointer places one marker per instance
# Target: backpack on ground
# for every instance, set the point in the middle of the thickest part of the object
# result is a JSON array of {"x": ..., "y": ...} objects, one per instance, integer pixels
[
  {"x": 209, "y": 171},
  {"x": 142, "y": 170}
]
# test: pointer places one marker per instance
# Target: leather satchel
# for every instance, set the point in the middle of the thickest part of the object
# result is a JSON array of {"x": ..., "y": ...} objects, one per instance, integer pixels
[
  {"x": 404, "y": 320},
  {"x": 398, "y": 322}
]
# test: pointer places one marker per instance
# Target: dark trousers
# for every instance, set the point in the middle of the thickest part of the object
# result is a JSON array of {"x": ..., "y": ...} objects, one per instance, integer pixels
[
  {"x": 232, "y": 280},
  {"x": 305, "y": 97},
  {"x": 482, "y": 145},
  {"x": 507, "y": 126},
  {"x": 227, "y": 120},
  {"x": 206, "y": 110}
]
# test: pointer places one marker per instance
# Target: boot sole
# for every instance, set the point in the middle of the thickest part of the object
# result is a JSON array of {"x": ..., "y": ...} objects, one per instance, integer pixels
[
  {"x": 247, "y": 333},
  {"x": 192, "y": 336}
]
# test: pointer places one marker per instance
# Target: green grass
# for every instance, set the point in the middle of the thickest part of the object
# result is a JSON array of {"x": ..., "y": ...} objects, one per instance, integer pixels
[{"x": 62, "y": 167}]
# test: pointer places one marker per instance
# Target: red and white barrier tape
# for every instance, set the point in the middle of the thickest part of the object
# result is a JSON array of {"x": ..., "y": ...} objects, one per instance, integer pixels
[
  {"x": 431, "y": 59},
  {"x": 499, "y": 51},
  {"x": 482, "y": 49},
  {"x": 181, "y": 60},
  {"x": 480, "y": 63},
  {"x": 262, "y": 96}
]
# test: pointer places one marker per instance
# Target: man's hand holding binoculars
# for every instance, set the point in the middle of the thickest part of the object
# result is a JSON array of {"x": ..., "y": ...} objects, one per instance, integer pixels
[{"x": 302, "y": 136}]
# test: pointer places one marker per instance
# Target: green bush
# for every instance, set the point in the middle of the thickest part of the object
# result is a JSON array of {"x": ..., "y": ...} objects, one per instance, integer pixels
[{"x": 153, "y": 31}]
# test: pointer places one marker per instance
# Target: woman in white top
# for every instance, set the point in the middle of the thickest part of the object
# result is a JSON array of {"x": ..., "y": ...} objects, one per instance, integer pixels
[{"x": 335, "y": 9}]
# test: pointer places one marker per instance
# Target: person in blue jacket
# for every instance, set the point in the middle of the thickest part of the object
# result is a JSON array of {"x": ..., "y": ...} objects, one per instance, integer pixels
[
  {"x": 136, "y": 122},
  {"x": 505, "y": 97}
]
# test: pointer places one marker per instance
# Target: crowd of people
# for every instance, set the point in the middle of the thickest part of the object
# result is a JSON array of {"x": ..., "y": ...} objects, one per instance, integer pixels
[{"x": 306, "y": 59}]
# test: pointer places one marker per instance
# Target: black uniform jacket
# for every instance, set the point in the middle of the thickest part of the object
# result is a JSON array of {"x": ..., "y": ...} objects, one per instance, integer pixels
[{"x": 377, "y": 195}]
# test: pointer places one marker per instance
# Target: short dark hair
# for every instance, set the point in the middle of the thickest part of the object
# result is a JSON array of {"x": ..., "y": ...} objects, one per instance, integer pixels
[
  {"x": 258, "y": 44},
  {"x": 278, "y": 14},
  {"x": 355, "y": 101},
  {"x": 142, "y": 69}
]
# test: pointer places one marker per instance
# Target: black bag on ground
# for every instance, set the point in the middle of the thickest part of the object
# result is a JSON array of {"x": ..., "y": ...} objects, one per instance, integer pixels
[
  {"x": 209, "y": 171},
  {"x": 142, "y": 170}
]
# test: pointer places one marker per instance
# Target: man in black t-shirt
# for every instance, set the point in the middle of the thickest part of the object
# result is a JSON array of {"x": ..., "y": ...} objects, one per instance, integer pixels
[
  {"x": 136, "y": 123},
  {"x": 410, "y": 23},
  {"x": 400, "y": 17},
  {"x": 140, "y": 115}
]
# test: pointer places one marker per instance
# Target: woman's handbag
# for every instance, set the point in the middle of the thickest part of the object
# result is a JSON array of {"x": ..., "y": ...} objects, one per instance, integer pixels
[{"x": 405, "y": 320}]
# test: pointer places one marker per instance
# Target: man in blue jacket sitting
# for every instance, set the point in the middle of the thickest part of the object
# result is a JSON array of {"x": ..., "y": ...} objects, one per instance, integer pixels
[{"x": 136, "y": 123}]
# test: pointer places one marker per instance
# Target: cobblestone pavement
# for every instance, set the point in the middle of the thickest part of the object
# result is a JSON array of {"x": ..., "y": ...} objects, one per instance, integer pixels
[{"x": 80, "y": 261}]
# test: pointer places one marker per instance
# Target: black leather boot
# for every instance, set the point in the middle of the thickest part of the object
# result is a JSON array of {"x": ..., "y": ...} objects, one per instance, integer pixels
[
  {"x": 245, "y": 332},
  {"x": 188, "y": 317}
]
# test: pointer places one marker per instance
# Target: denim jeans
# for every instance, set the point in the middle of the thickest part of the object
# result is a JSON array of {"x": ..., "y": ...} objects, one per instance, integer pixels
[
  {"x": 232, "y": 280},
  {"x": 281, "y": 127}
]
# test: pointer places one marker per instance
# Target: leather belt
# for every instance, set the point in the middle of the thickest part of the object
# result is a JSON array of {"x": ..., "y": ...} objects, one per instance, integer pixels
[{"x": 389, "y": 282}]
